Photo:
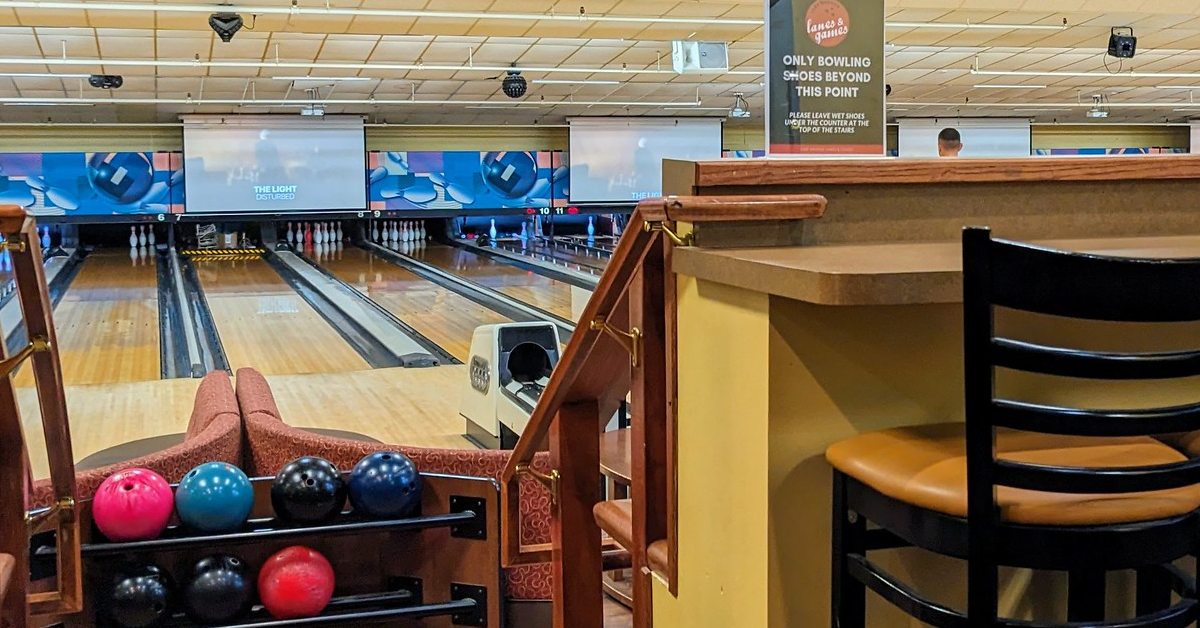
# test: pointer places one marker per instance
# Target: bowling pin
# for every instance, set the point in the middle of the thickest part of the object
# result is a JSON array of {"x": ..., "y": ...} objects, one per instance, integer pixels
[
  {"x": 407, "y": 233},
  {"x": 591, "y": 229},
  {"x": 291, "y": 236},
  {"x": 142, "y": 236},
  {"x": 319, "y": 234},
  {"x": 395, "y": 232},
  {"x": 374, "y": 231},
  {"x": 133, "y": 239},
  {"x": 46, "y": 238},
  {"x": 492, "y": 230},
  {"x": 524, "y": 235},
  {"x": 308, "y": 234},
  {"x": 150, "y": 239},
  {"x": 423, "y": 234},
  {"x": 340, "y": 237}
]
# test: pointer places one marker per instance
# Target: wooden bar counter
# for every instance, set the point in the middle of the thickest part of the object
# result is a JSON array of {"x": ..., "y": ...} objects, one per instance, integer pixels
[{"x": 793, "y": 336}]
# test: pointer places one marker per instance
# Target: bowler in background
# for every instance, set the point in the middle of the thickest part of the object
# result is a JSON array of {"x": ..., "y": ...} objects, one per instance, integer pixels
[{"x": 949, "y": 142}]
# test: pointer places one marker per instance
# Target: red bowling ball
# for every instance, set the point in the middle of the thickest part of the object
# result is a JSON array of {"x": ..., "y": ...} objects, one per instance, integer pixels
[
  {"x": 295, "y": 582},
  {"x": 133, "y": 505}
]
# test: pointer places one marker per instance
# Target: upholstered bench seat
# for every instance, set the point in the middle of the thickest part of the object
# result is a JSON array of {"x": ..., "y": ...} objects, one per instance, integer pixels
[{"x": 925, "y": 466}]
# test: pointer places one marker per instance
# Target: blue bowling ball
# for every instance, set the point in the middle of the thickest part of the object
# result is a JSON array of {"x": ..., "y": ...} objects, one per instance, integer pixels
[
  {"x": 214, "y": 497},
  {"x": 121, "y": 178},
  {"x": 385, "y": 484},
  {"x": 510, "y": 174}
]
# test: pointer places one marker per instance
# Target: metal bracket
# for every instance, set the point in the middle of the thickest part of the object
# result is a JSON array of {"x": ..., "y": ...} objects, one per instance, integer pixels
[
  {"x": 684, "y": 240},
  {"x": 631, "y": 340},
  {"x": 13, "y": 245},
  {"x": 476, "y": 529},
  {"x": 62, "y": 510},
  {"x": 39, "y": 343},
  {"x": 549, "y": 481},
  {"x": 477, "y": 617}
]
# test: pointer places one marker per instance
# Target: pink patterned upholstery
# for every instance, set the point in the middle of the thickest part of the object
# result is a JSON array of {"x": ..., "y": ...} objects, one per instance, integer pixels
[
  {"x": 271, "y": 443},
  {"x": 214, "y": 433}
]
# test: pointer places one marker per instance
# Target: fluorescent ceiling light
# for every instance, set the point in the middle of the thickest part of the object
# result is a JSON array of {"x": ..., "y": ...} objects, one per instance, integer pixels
[
  {"x": 1035, "y": 105},
  {"x": 326, "y": 10},
  {"x": 323, "y": 78},
  {"x": 42, "y": 75},
  {"x": 1176, "y": 87},
  {"x": 42, "y": 103},
  {"x": 249, "y": 102},
  {"x": 998, "y": 86},
  {"x": 974, "y": 25},
  {"x": 568, "y": 82},
  {"x": 310, "y": 65},
  {"x": 1095, "y": 75}
]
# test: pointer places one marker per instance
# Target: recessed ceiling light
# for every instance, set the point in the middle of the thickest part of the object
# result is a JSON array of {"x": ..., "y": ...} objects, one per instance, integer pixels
[{"x": 567, "y": 82}]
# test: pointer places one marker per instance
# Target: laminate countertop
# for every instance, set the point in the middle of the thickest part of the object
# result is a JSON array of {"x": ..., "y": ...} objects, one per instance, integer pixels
[{"x": 882, "y": 274}]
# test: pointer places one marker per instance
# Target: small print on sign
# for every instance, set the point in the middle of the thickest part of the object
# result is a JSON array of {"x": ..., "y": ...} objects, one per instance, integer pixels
[{"x": 827, "y": 23}]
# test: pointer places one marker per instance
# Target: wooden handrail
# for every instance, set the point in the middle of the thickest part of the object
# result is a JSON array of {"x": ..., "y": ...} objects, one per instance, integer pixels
[
  {"x": 624, "y": 343},
  {"x": 6, "y": 571},
  {"x": 21, "y": 240}
]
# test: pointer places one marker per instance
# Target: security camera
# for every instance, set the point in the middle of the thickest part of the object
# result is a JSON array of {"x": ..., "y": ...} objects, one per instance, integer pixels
[
  {"x": 225, "y": 25},
  {"x": 106, "y": 81},
  {"x": 514, "y": 84}
]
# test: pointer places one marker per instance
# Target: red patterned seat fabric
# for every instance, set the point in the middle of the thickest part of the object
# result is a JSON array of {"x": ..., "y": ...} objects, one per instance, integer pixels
[
  {"x": 214, "y": 433},
  {"x": 271, "y": 443}
]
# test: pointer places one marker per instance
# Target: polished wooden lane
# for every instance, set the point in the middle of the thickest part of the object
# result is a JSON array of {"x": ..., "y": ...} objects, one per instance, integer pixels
[
  {"x": 107, "y": 322},
  {"x": 396, "y": 405},
  {"x": 537, "y": 290},
  {"x": 562, "y": 253},
  {"x": 263, "y": 323},
  {"x": 446, "y": 318}
]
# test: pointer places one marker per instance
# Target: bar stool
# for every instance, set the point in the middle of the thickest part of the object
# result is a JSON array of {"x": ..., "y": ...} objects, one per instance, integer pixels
[{"x": 1031, "y": 485}]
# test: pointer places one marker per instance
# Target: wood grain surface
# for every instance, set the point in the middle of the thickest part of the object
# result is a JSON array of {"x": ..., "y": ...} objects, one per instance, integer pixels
[
  {"x": 881, "y": 274},
  {"x": 529, "y": 287},
  {"x": 263, "y": 323},
  {"x": 446, "y": 318},
  {"x": 107, "y": 322},
  {"x": 760, "y": 172}
]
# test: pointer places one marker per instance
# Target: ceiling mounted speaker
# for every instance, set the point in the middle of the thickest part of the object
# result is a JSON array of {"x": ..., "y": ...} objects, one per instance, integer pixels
[
  {"x": 1121, "y": 43},
  {"x": 699, "y": 56},
  {"x": 225, "y": 25},
  {"x": 514, "y": 84}
]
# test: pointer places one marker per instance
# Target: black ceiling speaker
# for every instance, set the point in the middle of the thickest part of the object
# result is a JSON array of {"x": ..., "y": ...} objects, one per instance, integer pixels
[
  {"x": 106, "y": 81},
  {"x": 1121, "y": 43},
  {"x": 514, "y": 84},
  {"x": 225, "y": 25}
]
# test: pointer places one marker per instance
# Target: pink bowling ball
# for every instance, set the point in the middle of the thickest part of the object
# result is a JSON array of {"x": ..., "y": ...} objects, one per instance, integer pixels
[{"x": 133, "y": 505}]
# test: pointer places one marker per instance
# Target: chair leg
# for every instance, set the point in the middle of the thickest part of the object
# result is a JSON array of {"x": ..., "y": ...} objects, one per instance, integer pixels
[
  {"x": 1153, "y": 590},
  {"x": 1085, "y": 595},
  {"x": 849, "y": 596},
  {"x": 982, "y": 589}
]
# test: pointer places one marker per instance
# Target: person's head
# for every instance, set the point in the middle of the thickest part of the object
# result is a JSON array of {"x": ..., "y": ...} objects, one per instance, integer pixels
[{"x": 949, "y": 142}]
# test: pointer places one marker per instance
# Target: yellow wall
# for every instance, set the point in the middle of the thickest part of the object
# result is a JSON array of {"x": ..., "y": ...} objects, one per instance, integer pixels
[{"x": 722, "y": 482}]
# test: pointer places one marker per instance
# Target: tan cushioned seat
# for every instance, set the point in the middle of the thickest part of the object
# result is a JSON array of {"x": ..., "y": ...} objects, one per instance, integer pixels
[{"x": 926, "y": 466}]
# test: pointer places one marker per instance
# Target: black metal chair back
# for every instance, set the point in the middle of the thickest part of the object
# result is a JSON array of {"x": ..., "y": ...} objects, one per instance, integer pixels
[{"x": 1018, "y": 276}]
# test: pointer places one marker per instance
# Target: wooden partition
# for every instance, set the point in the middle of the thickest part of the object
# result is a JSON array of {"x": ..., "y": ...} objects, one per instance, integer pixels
[{"x": 793, "y": 336}]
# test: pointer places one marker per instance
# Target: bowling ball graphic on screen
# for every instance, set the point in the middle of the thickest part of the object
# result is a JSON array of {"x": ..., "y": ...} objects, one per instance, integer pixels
[
  {"x": 121, "y": 178},
  {"x": 510, "y": 174}
]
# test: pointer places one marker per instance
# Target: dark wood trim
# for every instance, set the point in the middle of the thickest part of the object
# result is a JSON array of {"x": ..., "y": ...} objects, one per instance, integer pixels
[
  {"x": 577, "y": 561},
  {"x": 765, "y": 172}
]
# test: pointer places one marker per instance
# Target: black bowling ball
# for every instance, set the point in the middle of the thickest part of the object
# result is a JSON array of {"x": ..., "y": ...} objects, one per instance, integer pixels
[
  {"x": 218, "y": 590},
  {"x": 139, "y": 596},
  {"x": 308, "y": 490}
]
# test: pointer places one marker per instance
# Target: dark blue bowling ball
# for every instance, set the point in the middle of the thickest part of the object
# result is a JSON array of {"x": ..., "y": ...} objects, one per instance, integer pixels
[
  {"x": 510, "y": 174},
  {"x": 214, "y": 497},
  {"x": 385, "y": 484},
  {"x": 121, "y": 178}
]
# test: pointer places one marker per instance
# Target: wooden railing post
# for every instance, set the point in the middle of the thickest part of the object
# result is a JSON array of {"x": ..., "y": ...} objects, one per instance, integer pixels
[
  {"x": 575, "y": 452},
  {"x": 648, "y": 412}
]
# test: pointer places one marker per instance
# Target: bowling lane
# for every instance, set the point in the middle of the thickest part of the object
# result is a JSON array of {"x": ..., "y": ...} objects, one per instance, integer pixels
[
  {"x": 440, "y": 315},
  {"x": 562, "y": 253},
  {"x": 107, "y": 321},
  {"x": 264, "y": 324},
  {"x": 542, "y": 292}
]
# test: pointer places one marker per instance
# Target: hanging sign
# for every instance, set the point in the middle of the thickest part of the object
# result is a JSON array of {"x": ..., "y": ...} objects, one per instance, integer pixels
[{"x": 825, "y": 77}]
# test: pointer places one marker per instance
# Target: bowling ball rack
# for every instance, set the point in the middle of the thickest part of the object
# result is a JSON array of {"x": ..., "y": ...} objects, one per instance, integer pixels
[{"x": 441, "y": 565}]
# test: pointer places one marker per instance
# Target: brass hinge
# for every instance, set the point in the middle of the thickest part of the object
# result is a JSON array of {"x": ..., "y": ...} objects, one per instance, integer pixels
[
  {"x": 13, "y": 243},
  {"x": 684, "y": 240},
  {"x": 631, "y": 340},
  {"x": 62, "y": 510},
  {"x": 39, "y": 343},
  {"x": 549, "y": 481}
]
